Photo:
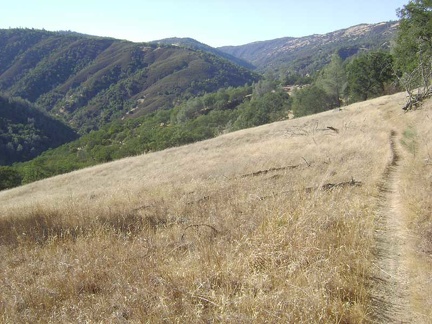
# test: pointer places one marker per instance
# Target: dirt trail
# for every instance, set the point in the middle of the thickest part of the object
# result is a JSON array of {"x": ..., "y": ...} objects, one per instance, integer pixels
[{"x": 391, "y": 282}]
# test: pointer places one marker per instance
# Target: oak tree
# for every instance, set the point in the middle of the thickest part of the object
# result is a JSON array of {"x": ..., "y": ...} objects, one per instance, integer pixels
[{"x": 413, "y": 50}]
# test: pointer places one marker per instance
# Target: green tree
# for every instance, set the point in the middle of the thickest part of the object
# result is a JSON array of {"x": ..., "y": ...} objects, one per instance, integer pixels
[
  {"x": 333, "y": 80},
  {"x": 311, "y": 100},
  {"x": 291, "y": 78},
  {"x": 368, "y": 74},
  {"x": 9, "y": 177},
  {"x": 413, "y": 49},
  {"x": 264, "y": 86},
  {"x": 267, "y": 108}
]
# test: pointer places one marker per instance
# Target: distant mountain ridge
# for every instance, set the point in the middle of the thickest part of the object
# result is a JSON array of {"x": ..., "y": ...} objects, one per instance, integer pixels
[
  {"x": 194, "y": 44},
  {"x": 309, "y": 53},
  {"x": 89, "y": 81}
]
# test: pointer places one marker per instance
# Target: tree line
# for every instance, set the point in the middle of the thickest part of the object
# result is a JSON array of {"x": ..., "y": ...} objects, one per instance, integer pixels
[
  {"x": 408, "y": 66},
  {"x": 371, "y": 74}
]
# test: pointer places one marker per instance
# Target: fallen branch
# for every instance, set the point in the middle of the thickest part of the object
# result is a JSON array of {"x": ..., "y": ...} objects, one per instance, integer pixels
[
  {"x": 197, "y": 226},
  {"x": 142, "y": 207},
  {"x": 329, "y": 186},
  {"x": 333, "y": 129},
  {"x": 205, "y": 198},
  {"x": 308, "y": 164},
  {"x": 415, "y": 100},
  {"x": 261, "y": 172}
]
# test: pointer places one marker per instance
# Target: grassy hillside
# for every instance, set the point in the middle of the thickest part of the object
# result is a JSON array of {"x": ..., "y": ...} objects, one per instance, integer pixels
[
  {"x": 90, "y": 81},
  {"x": 196, "y": 119},
  {"x": 310, "y": 53},
  {"x": 279, "y": 223},
  {"x": 25, "y": 131}
]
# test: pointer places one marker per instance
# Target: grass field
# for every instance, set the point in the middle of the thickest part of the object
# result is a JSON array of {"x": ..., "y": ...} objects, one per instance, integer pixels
[{"x": 275, "y": 224}]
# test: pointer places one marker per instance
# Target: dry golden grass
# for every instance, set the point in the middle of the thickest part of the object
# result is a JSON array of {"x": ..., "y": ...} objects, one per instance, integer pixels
[
  {"x": 416, "y": 189},
  {"x": 238, "y": 229}
]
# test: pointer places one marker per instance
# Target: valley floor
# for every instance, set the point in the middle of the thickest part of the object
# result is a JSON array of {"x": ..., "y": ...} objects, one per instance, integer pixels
[{"x": 325, "y": 218}]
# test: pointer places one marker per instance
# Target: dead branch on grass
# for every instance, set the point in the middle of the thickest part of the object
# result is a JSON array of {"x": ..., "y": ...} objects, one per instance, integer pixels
[
  {"x": 333, "y": 129},
  {"x": 262, "y": 172},
  {"x": 141, "y": 207},
  {"x": 417, "y": 83},
  {"x": 329, "y": 186},
  {"x": 415, "y": 100},
  {"x": 308, "y": 164},
  {"x": 310, "y": 128},
  {"x": 215, "y": 231},
  {"x": 324, "y": 187},
  {"x": 198, "y": 201}
]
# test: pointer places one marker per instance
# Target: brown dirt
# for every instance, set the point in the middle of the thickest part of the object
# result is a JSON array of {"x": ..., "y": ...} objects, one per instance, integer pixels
[{"x": 391, "y": 283}]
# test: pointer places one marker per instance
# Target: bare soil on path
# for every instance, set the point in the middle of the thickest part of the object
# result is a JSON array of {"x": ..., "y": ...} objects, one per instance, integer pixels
[{"x": 391, "y": 284}]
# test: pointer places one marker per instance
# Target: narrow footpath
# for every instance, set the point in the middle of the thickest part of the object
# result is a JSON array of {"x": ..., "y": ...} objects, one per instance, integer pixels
[{"x": 391, "y": 282}]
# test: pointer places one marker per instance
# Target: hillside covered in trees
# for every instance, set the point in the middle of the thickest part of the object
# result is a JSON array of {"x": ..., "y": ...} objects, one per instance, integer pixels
[
  {"x": 26, "y": 132},
  {"x": 194, "y": 44},
  {"x": 129, "y": 117},
  {"x": 90, "y": 81}
]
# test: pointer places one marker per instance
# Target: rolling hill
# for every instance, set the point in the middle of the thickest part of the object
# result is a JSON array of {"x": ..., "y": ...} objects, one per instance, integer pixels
[
  {"x": 310, "y": 53},
  {"x": 298, "y": 221},
  {"x": 194, "y": 44},
  {"x": 26, "y": 132},
  {"x": 112, "y": 88},
  {"x": 90, "y": 81}
]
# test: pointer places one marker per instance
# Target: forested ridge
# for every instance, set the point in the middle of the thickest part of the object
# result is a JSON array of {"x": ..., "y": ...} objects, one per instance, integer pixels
[
  {"x": 25, "y": 131},
  {"x": 90, "y": 81},
  {"x": 127, "y": 99},
  {"x": 194, "y": 44}
]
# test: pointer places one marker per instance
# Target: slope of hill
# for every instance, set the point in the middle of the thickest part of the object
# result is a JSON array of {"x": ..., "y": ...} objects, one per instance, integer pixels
[
  {"x": 194, "y": 44},
  {"x": 25, "y": 131},
  {"x": 89, "y": 81},
  {"x": 311, "y": 53},
  {"x": 280, "y": 223},
  {"x": 195, "y": 119}
]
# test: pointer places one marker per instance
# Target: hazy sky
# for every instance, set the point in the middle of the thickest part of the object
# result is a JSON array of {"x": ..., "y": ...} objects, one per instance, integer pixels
[{"x": 214, "y": 22}]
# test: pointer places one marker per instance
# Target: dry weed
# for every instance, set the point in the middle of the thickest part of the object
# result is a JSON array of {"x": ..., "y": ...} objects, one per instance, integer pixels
[{"x": 219, "y": 231}]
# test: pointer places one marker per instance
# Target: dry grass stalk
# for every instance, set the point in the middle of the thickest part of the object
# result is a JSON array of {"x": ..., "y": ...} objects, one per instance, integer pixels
[{"x": 134, "y": 240}]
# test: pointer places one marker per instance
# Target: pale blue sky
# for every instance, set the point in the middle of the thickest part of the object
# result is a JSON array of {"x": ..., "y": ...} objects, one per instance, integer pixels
[{"x": 214, "y": 22}]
